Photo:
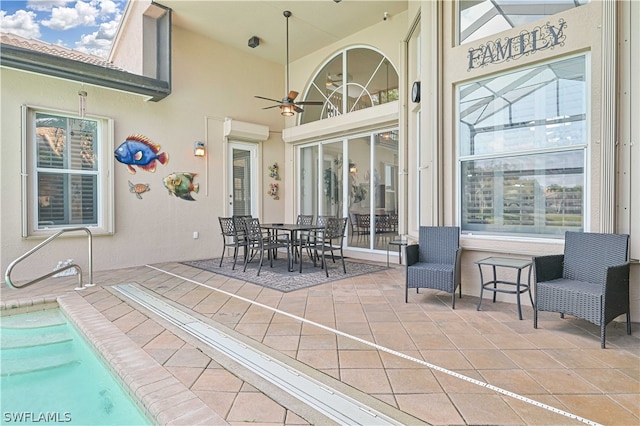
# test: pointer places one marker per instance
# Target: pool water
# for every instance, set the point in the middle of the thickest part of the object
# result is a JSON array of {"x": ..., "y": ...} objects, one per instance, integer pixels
[{"x": 50, "y": 375}]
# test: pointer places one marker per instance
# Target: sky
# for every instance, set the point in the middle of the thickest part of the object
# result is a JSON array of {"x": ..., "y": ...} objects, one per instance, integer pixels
[{"x": 88, "y": 26}]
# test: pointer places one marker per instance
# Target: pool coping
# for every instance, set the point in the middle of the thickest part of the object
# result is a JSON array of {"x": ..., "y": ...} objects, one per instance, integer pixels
[{"x": 158, "y": 394}]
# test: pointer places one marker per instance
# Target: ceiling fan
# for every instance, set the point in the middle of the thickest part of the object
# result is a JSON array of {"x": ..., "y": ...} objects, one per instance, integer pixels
[{"x": 288, "y": 105}]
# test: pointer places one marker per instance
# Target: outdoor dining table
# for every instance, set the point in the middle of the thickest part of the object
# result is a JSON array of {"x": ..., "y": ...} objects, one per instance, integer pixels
[{"x": 293, "y": 229}]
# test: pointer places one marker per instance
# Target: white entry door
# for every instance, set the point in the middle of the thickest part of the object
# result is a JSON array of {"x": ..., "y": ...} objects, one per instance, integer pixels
[{"x": 243, "y": 174}]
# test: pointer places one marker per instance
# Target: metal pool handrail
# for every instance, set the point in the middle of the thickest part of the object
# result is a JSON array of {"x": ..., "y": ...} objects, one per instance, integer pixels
[{"x": 7, "y": 275}]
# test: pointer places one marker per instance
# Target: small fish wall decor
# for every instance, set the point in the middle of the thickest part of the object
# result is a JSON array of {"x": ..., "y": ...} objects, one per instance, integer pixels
[
  {"x": 273, "y": 191},
  {"x": 181, "y": 185},
  {"x": 138, "y": 150},
  {"x": 139, "y": 189},
  {"x": 274, "y": 171}
]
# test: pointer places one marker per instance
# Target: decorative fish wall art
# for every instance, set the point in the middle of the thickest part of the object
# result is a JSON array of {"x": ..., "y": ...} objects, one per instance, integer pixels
[
  {"x": 274, "y": 171},
  {"x": 181, "y": 185},
  {"x": 138, "y": 150},
  {"x": 273, "y": 191},
  {"x": 139, "y": 189}
]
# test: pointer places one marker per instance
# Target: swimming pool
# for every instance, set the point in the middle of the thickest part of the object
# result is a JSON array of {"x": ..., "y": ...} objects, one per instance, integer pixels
[{"x": 49, "y": 374}]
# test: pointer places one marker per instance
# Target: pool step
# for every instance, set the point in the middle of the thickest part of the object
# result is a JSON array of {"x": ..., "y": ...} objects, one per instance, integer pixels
[
  {"x": 48, "y": 318},
  {"x": 22, "y": 366},
  {"x": 37, "y": 334},
  {"x": 19, "y": 342}
]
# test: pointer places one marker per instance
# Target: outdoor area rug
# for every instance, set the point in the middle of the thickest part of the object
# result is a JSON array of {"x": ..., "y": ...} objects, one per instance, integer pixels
[{"x": 278, "y": 278}]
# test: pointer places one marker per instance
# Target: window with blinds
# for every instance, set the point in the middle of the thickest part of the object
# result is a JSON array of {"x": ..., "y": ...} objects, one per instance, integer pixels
[
  {"x": 66, "y": 171},
  {"x": 522, "y": 150},
  {"x": 241, "y": 182}
]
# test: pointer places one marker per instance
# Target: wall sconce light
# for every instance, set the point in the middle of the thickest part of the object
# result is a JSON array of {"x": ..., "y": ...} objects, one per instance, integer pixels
[
  {"x": 198, "y": 149},
  {"x": 353, "y": 170}
]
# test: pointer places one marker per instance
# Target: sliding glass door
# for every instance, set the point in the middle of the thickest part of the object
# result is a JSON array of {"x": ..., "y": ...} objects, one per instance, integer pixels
[{"x": 355, "y": 177}]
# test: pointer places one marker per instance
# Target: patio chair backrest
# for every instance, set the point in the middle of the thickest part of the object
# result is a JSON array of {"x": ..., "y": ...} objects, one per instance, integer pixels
[
  {"x": 363, "y": 220},
  {"x": 227, "y": 226},
  {"x": 588, "y": 254},
  {"x": 335, "y": 227},
  {"x": 322, "y": 220},
  {"x": 305, "y": 219},
  {"x": 239, "y": 222},
  {"x": 438, "y": 244},
  {"x": 252, "y": 228}
]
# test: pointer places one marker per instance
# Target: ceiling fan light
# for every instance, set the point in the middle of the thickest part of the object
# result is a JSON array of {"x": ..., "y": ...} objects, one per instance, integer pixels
[{"x": 286, "y": 110}]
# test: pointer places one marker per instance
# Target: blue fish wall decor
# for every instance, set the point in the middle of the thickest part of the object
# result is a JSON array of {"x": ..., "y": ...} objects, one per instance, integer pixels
[{"x": 138, "y": 150}]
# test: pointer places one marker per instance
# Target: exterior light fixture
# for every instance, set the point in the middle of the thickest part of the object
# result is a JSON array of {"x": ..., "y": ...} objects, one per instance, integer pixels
[{"x": 198, "y": 149}]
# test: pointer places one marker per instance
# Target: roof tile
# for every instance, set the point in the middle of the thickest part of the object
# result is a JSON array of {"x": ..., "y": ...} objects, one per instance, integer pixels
[{"x": 55, "y": 50}]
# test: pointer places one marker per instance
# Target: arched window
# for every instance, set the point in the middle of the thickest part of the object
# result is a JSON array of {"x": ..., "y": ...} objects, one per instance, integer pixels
[{"x": 353, "y": 79}]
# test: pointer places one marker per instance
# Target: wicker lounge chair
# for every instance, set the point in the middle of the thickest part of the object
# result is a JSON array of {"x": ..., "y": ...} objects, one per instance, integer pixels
[
  {"x": 589, "y": 281},
  {"x": 435, "y": 261}
]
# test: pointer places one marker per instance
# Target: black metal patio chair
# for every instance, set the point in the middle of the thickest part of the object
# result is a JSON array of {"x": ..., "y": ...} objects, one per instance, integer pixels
[
  {"x": 259, "y": 241},
  {"x": 329, "y": 239},
  {"x": 589, "y": 281},
  {"x": 303, "y": 236},
  {"x": 231, "y": 238}
]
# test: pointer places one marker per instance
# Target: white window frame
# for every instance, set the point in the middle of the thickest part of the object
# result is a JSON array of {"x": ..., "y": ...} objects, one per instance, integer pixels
[
  {"x": 585, "y": 147},
  {"x": 345, "y": 84},
  {"x": 105, "y": 184}
]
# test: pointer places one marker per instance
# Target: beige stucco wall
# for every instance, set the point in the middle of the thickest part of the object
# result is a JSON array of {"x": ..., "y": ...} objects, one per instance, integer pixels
[
  {"x": 126, "y": 52},
  {"x": 159, "y": 227}
]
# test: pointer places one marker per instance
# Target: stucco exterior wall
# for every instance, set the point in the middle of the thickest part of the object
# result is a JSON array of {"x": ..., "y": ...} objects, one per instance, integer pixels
[
  {"x": 211, "y": 82},
  {"x": 127, "y": 49}
]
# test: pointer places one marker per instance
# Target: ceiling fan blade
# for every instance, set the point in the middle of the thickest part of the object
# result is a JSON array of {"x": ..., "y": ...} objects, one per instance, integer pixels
[
  {"x": 292, "y": 95},
  {"x": 297, "y": 108},
  {"x": 267, "y": 99},
  {"x": 272, "y": 106},
  {"x": 310, "y": 103}
]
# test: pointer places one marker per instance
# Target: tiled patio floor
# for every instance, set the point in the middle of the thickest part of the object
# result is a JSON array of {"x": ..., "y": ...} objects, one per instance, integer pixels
[{"x": 354, "y": 331}]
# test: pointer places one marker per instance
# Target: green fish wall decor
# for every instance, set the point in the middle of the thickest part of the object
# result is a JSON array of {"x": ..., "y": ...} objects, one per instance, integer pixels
[{"x": 181, "y": 185}]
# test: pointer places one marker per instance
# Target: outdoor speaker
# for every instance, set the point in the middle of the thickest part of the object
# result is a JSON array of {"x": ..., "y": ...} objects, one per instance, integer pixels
[{"x": 254, "y": 41}]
